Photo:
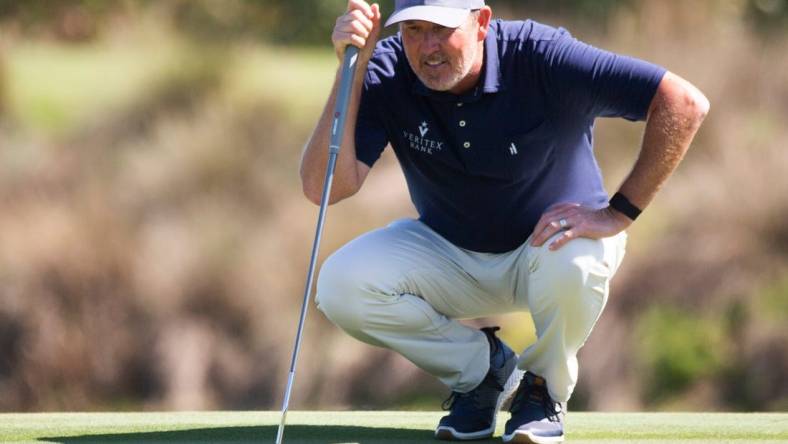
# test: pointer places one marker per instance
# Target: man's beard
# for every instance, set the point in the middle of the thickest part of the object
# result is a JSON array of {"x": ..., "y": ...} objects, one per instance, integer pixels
[{"x": 446, "y": 82}]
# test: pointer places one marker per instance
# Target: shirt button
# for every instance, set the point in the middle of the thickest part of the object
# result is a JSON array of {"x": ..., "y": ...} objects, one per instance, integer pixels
[
  {"x": 459, "y": 104},
  {"x": 466, "y": 144},
  {"x": 462, "y": 123}
]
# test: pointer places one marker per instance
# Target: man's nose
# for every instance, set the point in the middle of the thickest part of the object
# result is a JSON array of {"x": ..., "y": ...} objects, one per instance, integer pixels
[{"x": 431, "y": 42}]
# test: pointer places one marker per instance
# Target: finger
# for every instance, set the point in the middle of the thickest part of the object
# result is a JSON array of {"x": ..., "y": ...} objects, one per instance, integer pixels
[
  {"x": 360, "y": 5},
  {"x": 537, "y": 237},
  {"x": 353, "y": 29},
  {"x": 561, "y": 240},
  {"x": 341, "y": 38},
  {"x": 375, "y": 20},
  {"x": 546, "y": 233},
  {"x": 358, "y": 16},
  {"x": 359, "y": 29},
  {"x": 546, "y": 218},
  {"x": 571, "y": 215},
  {"x": 376, "y": 12},
  {"x": 358, "y": 41},
  {"x": 555, "y": 212},
  {"x": 344, "y": 39},
  {"x": 352, "y": 23},
  {"x": 542, "y": 230}
]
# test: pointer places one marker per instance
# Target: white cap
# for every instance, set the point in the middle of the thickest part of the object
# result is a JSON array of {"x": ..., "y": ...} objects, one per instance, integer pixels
[{"x": 448, "y": 13}]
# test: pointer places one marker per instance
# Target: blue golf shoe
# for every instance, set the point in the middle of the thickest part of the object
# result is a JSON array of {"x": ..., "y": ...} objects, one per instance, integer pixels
[
  {"x": 472, "y": 415},
  {"x": 536, "y": 418}
]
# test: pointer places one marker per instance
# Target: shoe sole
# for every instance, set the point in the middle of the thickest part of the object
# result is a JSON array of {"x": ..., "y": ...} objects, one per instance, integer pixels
[
  {"x": 527, "y": 438},
  {"x": 445, "y": 433}
]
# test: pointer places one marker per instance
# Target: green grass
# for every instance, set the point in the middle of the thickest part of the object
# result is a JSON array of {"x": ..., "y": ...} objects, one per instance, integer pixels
[{"x": 374, "y": 427}]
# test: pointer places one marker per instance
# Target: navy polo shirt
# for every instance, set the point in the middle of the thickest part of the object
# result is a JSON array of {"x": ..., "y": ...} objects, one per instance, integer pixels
[{"x": 482, "y": 167}]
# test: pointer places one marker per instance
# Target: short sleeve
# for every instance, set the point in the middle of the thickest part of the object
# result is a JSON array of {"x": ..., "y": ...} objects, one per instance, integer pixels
[
  {"x": 371, "y": 137},
  {"x": 599, "y": 83}
]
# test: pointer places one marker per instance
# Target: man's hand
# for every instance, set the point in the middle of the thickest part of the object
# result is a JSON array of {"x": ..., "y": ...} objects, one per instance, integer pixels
[
  {"x": 577, "y": 221},
  {"x": 359, "y": 26}
]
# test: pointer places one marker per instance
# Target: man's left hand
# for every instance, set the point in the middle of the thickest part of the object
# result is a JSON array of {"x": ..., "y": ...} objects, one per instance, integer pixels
[{"x": 576, "y": 221}]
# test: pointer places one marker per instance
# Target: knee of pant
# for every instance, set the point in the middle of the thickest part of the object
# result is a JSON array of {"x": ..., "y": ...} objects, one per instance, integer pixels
[
  {"x": 576, "y": 267},
  {"x": 346, "y": 272},
  {"x": 338, "y": 293}
]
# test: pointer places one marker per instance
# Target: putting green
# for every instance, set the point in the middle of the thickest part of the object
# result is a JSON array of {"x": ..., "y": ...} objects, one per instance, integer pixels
[{"x": 374, "y": 427}]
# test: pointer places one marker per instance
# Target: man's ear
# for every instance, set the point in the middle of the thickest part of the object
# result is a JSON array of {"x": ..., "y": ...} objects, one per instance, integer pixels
[{"x": 485, "y": 16}]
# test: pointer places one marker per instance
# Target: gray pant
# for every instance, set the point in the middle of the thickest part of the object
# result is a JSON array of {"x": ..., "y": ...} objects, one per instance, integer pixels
[{"x": 403, "y": 287}]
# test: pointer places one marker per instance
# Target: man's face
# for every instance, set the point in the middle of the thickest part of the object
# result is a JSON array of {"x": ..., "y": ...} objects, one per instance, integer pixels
[{"x": 441, "y": 57}]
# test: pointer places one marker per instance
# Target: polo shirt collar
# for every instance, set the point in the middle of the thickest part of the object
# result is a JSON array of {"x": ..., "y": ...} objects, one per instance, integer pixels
[{"x": 490, "y": 81}]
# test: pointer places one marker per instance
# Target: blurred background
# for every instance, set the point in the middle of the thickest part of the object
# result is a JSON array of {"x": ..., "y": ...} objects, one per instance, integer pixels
[{"x": 154, "y": 239}]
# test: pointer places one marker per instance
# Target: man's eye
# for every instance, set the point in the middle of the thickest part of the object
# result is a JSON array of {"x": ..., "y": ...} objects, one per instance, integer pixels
[{"x": 443, "y": 31}]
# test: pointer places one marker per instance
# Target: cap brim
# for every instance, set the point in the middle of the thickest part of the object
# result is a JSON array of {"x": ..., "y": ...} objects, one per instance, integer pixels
[{"x": 448, "y": 17}]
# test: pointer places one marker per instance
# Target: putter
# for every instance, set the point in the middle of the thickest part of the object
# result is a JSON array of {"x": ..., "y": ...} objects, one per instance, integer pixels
[{"x": 337, "y": 128}]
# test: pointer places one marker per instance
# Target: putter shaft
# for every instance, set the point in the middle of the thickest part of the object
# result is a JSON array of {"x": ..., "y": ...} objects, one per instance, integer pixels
[{"x": 337, "y": 130}]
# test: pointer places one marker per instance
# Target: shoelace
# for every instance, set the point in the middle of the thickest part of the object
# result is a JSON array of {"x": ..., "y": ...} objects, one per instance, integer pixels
[
  {"x": 448, "y": 403},
  {"x": 551, "y": 408},
  {"x": 455, "y": 397}
]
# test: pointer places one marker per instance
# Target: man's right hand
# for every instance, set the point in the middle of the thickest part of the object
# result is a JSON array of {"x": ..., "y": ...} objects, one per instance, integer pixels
[{"x": 360, "y": 27}]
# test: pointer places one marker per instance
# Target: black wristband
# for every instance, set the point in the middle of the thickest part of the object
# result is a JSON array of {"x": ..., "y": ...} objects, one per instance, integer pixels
[{"x": 620, "y": 203}]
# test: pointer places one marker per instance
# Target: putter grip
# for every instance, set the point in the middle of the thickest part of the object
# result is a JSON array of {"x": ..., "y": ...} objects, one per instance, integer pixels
[{"x": 343, "y": 98}]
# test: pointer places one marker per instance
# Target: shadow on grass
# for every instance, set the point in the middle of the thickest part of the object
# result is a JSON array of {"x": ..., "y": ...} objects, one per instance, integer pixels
[{"x": 294, "y": 434}]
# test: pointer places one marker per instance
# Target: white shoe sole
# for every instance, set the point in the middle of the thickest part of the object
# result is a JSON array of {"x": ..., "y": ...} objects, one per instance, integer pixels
[
  {"x": 527, "y": 438},
  {"x": 504, "y": 400}
]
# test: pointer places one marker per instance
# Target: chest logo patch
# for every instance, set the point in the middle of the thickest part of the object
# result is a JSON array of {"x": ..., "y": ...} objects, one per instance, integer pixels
[
  {"x": 423, "y": 128},
  {"x": 513, "y": 149},
  {"x": 420, "y": 142}
]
